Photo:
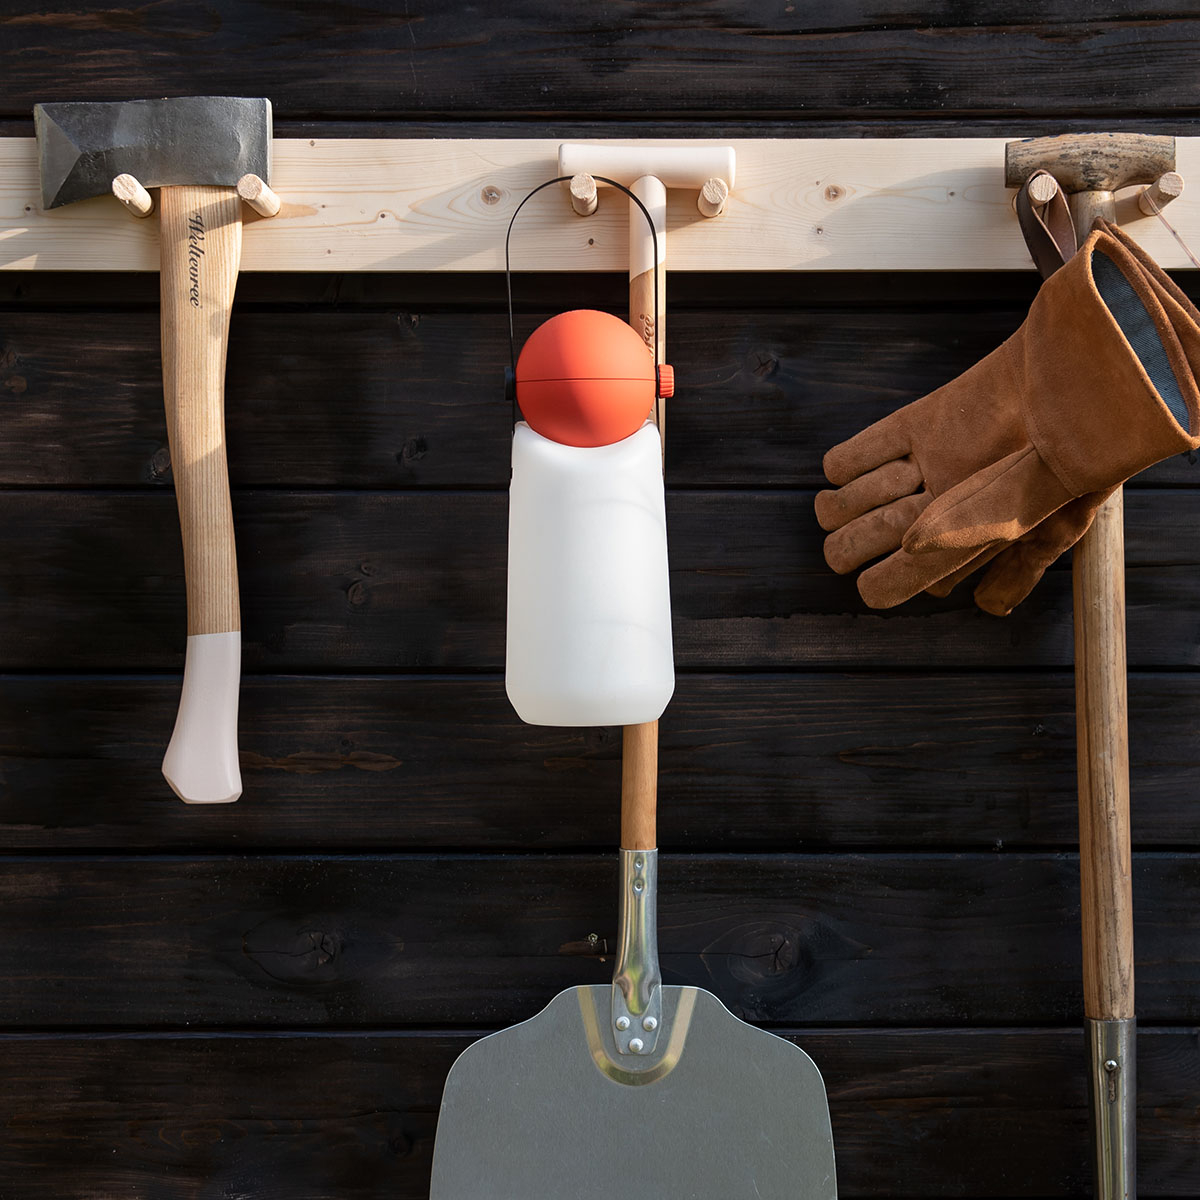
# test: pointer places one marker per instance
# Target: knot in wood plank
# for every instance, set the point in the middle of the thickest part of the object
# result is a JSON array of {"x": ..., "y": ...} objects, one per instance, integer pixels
[{"x": 294, "y": 955}]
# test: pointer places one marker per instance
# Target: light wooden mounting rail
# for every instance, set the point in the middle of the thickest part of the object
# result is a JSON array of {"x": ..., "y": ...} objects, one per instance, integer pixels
[{"x": 442, "y": 205}]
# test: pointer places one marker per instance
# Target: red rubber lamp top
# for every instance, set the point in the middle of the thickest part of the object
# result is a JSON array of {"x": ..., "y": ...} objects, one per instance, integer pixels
[{"x": 585, "y": 378}]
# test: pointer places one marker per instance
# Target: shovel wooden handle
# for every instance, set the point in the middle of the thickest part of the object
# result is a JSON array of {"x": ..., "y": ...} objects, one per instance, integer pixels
[{"x": 1102, "y": 735}]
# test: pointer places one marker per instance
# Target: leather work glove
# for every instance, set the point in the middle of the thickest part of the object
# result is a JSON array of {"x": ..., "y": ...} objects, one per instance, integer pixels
[
  {"x": 1017, "y": 569},
  {"x": 1010, "y": 461}
]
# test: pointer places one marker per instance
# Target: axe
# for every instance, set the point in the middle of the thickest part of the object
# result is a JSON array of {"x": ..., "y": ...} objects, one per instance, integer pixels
[{"x": 196, "y": 150}]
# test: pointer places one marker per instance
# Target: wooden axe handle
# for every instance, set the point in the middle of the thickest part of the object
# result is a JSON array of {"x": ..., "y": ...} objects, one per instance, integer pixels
[
  {"x": 201, "y": 231},
  {"x": 201, "y": 251}
]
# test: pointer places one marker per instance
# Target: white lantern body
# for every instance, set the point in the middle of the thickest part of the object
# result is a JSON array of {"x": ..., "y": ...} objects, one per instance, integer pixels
[{"x": 589, "y": 605}]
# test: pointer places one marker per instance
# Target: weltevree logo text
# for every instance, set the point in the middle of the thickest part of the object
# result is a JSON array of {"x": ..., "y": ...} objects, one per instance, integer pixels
[{"x": 195, "y": 254}]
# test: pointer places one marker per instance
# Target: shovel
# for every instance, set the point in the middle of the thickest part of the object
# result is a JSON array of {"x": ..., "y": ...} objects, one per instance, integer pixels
[{"x": 683, "y": 1099}]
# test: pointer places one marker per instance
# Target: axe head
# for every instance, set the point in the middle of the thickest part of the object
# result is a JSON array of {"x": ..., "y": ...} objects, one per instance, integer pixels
[{"x": 205, "y": 140}]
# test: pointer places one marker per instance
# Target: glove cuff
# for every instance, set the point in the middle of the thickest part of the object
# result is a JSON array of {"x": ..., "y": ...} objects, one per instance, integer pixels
[{"x": 1109, "y": 344}]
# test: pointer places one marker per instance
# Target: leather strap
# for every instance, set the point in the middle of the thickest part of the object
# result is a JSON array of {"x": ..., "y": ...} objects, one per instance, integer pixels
[{"x": 1049, "y": 233}]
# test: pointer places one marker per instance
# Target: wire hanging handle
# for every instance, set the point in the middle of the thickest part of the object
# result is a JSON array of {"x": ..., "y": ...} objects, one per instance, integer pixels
[{"x": 512, "y": 351}]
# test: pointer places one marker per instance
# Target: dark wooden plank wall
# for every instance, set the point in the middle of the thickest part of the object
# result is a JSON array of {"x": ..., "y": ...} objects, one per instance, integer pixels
[{"x": 868, "y": 819}]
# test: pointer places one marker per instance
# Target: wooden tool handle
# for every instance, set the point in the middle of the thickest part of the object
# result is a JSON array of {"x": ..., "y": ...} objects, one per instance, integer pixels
[
  {"x": 1086, "y": 207},
  {"x": 639, "y": 762},
  {"x": 1101, "y": 723},
  {"x": 201, "y": 250},
  {"x": 651, "y": 327},
  {"x": 1091, "y": 162},
  {"x": 641, "y": 317},
  {"x": 1102, "y": 735},
  {"x": 639, "y": 787}
]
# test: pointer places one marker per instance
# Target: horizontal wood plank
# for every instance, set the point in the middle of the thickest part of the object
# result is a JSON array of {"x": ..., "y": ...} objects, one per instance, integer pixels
[
  {"x": 724, "y": 127},
  {"x": 537, "y": 292},
  {"x": 320, "y": 1116},
  {"x": 799, "y": 205},
  {"x": 484, "y": 941},
  {"x": 746, "y": 762},
  {"x": 414, "y": 399},
  {"x": 536, "y": 58},
  {"x": 337, "y": 582}
]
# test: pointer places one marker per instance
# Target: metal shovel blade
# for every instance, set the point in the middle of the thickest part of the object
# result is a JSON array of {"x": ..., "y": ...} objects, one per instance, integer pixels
[{"x": 549, "y": 1110}]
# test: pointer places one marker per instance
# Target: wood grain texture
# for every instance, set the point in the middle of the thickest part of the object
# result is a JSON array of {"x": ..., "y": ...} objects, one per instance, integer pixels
[
  {"x": 647, "y": 300},
  {"x": 1102, "y": 739},
  {"x": 202, "y": 242},
  {"x": 451, "y": 940},
  {"x": 723, "y": 126},
  {"x": 748, "y": 762},
  {"x": 335, "y": 1114},
  {"x": 639, "y": 786},
  {"x": 879, "y": 58},
  {"x": 350, "y": 582},
  {"x": 444, "y": 205},
  {"x": 332, "y": 397},
  {"x": 1091, "y": 162},
  {"x": 652, "y": 331}
]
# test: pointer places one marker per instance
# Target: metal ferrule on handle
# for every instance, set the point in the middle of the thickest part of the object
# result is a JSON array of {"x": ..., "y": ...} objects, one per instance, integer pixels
[
  {"x": 637, "y": 981},
  {"x": 1112, "y": 1090}
]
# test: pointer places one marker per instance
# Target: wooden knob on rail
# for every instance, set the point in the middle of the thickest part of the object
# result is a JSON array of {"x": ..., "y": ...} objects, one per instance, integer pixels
[
  {"x": 258, "y": 195},
  {"x": 584, "y": 195},
  {"x": 131, "y": 194}
]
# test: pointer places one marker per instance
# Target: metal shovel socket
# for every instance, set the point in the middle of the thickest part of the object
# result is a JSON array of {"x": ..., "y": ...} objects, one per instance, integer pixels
[{"x": 637, "y": 1008}]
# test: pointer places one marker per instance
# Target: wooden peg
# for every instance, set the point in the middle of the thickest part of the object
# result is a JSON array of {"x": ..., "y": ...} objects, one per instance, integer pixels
[
  {"x": 1162, "y": 191},
  {"x": 258, "y": 195},
  {"x": 711, "y": 201},
  {"x": 133, "y": 195},
  {"x": 1043, "y": 189},
  {"x": 584, "y": 196}
]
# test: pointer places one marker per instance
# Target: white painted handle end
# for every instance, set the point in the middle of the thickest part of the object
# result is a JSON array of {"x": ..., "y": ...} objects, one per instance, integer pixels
[{"x": 201, "y": 763}]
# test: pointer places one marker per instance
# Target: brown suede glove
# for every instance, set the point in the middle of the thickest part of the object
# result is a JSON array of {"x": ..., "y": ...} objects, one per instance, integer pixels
[
  {"x": 1016, "y": 569},
  {"x": 1097, "y": 384}
]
